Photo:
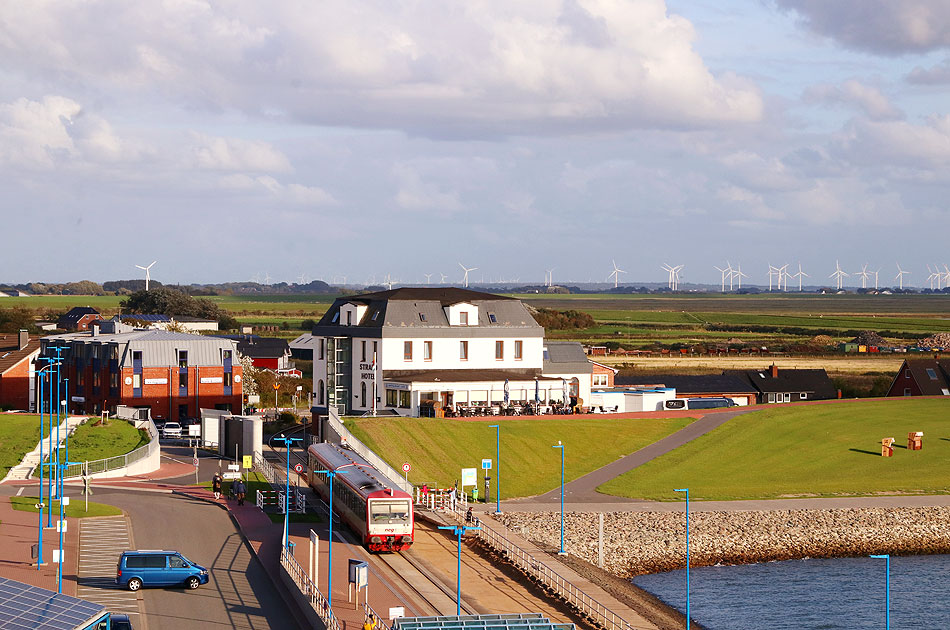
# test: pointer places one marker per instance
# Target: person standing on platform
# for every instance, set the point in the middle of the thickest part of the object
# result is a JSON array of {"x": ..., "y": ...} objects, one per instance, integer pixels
[
  {"x": 216, "y": 483},
  {"x": 239, "y": 490}
]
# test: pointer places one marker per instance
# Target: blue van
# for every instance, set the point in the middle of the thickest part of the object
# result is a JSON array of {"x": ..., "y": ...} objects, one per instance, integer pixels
[{"x": 150, "y": 567}]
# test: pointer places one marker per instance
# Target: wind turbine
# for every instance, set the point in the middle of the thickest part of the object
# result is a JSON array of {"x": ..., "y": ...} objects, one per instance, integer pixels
[
  {"x": 900, "y": 276},
  {"x": 723, "y": 272},
  {"x": 738, "y": 276},
  {"x": 800, "y": 275},
  {"x": 615, "y": 273},
  {"x": 772, "y": 272},
  {"x": 428, "y": 278},
  {"x": 549, "y": 276},
  {"x": 466, "y": 270},
  {"x": 267, "y": 278},
  {"x": 146, "y": 269},
  {"x": 388, "y": 282},
  {"x": 864, "y": 276},
  {"x": 443, "y": 278},
  {"x": 674, "y": 278},
  {"x": 946, "y": 276},
  {"x": 783, "y": 277},
  {"x": 838, "y": 274},
  {"x": 875, "y": 278}
]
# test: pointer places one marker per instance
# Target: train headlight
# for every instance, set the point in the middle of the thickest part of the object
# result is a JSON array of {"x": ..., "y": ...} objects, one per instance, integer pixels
[
  {"x": 375, "y": 539},
  {"x": 407, "y": 539}
]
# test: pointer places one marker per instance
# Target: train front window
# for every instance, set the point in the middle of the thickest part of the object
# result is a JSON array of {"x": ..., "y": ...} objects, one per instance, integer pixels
[{"x": 389, "y": 512}]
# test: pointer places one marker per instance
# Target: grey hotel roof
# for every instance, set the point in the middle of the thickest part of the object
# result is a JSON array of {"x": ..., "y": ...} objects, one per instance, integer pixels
[
  {"x": 159, "y": 348},
  {"x": 412, "y": 312}
]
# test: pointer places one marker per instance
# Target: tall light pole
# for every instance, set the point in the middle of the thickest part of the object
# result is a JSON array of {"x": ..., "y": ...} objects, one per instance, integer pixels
[
  {"x": 497, "y": 429},
  {"x": 40, "y": 376},
  {"x": 459, "y": 531},
  {"x": 331, "y": 474},
  {"x": 61, "y": 526},
  {"x": 287, "y": 442},
  {"x": 561, "y": 446},
  {"x": 686, "y": 490},
  {"x": 887, "y": 588}
]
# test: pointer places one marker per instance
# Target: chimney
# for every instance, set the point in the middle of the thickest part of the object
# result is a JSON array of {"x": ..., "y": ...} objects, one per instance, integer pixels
[
  {"x": 23, "y": 340},
  {"x": 774, "y": 369}
]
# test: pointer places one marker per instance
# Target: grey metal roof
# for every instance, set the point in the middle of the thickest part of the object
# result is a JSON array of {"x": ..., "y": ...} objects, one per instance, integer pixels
[
  {"x": 691, "y": 383},
  {"x": 159, "y": 348},
  {"x": 566, "y": 356},
  {"x": 26, "y": 607},
  {"x": 305, "y": 341}
]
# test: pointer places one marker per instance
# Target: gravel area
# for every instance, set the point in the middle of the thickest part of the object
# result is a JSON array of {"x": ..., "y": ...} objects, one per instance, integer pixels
[{"x": 636, "y": 543}]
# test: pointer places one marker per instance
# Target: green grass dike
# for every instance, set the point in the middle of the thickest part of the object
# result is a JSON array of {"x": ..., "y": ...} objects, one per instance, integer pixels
[
  {"x": 437, "y": 449},
  {"x": 823, "y": 450},
  {"x": 97, "y": 440},
  {"x": 19, "y": 433}
]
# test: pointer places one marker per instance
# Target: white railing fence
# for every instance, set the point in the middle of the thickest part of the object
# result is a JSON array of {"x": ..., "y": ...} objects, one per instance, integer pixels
[
  {"x": 316, "y": 599},
  {"x": 354, "y": 443},
  {"x": 119, "y": 461}
]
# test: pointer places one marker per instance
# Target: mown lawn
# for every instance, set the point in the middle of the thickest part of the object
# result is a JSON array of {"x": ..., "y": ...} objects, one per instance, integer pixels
[
  {"x": 93, "y": 441},
  {"x": 75, "y": 509},
  {"x": 19, "y": 433},
  {"x": 437, "y": 449},
  {"x": 810, "y": 450}
]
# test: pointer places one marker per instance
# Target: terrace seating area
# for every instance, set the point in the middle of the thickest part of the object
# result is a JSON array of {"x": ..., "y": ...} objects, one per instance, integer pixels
[{"x": 522, "y": 621}]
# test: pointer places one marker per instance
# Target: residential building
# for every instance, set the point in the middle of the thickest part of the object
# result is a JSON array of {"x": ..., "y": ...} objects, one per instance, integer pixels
[
  {"x": 164, "y": 322},
  {"x": 921, "y": 377},
  {"x": 267, "y": 353},
  {"x": 776, "y": 386},
  {"x": 17, "y": 363},
  {"x": 172, "y": 373},
  {"x": 302, "y": 347},
  {"x": 729, "y": 385},
  {"x": 441, "y": 347},
  {"x": 567, "y": 360},
  {"x": 78, "y": 318}
]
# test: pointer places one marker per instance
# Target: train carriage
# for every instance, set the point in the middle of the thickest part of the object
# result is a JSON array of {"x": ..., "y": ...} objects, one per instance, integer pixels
[{"x": 372, "y": 505}]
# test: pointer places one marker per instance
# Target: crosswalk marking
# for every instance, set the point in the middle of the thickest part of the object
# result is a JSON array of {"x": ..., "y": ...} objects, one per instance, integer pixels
[{"x": 101, "y": 540}]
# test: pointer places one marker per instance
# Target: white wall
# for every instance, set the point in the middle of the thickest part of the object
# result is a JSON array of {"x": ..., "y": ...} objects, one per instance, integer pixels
[{"x": 445, "y": 354}]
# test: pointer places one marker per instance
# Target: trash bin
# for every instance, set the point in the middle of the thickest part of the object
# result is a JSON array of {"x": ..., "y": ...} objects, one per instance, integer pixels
[
  {"x": 915, "y": 440},
  {"x": 887, "y": 450}
]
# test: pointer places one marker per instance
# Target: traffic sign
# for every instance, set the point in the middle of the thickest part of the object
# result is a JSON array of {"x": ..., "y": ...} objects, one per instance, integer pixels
[
  {"x": 486, "y": 464},
  {"x": 194, "y": 462},
  {"x": 406, "y": 467},
  {"x": 231, "y": 474},
  {"x": 298, "y": 468}
]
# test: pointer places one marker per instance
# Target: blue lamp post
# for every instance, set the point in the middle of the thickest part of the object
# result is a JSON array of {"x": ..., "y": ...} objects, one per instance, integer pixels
[
  {"x": 61, "y": 469},
  {"x": 686, "y": 490},
  {"x": 287, "y": 442},
  {"x": 561, "y": 446},
  {"x": 331, "y": 474},
  {"x": 39, "y": 536},
  {"x": 459, "y": 531},
  {"x": 887, "y": 588},
  {"x": 497, "y": 429}
]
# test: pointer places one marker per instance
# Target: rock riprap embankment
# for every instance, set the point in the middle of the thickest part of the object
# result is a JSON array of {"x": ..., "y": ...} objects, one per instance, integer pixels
[{"x": 648, "y": 542}]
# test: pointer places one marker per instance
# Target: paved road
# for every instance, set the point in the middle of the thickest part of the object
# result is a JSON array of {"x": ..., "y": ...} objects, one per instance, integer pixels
[
  {"x": 240, "y": 595},
  {"x": 584, "y": 489},
  {"x": 99, "y": 538}
]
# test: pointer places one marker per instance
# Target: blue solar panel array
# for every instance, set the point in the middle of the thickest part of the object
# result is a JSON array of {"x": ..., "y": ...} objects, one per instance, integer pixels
[
  {"x": 522, "y": 621},
  {"x": 25, "y": 607}
]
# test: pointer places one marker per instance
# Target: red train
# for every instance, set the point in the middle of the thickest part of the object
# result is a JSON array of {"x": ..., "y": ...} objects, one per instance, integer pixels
[{"x": 372, "y": 505}]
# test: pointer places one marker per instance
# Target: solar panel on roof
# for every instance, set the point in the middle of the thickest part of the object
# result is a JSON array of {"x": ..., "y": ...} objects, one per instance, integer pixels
[{"x": 33, "y": 608}]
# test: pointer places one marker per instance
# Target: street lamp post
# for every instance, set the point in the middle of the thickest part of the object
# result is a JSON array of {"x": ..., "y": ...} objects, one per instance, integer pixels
[
  {"x": 887, "y": 588},
  {"x": 331, "y": 474},
  {"x": 61, "y": 468},
  {"x": 287, "y": 442},
  {"x": 686, "y": 490},
  {"x": 459, "y": 531},
  {"x": 561, "y": 446},
  {"x": 497, "y": 429}
]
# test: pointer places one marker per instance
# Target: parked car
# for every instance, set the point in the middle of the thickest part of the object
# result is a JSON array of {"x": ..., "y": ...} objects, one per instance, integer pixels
[
  {"x": 158, "y": 568},
  {"x": 171, "y": 430},
  {"x": 120, "y": 622}
]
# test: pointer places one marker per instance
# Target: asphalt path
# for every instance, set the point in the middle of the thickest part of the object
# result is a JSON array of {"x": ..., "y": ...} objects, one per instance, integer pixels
[{"x": 239, "y": 594}]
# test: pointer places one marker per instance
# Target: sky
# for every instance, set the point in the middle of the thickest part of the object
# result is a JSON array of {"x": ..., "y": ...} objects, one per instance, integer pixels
[{"x": 301, "y": 140}]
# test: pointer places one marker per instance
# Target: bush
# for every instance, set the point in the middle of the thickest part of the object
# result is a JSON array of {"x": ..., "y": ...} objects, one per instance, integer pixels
[
  {"x": 561, "y": 320},
  {"x": 307, "y": 324}
]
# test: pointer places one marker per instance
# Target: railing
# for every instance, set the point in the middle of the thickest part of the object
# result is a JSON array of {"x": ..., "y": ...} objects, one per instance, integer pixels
[
  {"x": 548, "y": 577},
  {"x": 367, "y": 611},
  {"x": 119, "y": 461},
  {"x": 353, "y": 442},
  {"x": 268, "y": 470},
  {"x": 317, "y": 601}
]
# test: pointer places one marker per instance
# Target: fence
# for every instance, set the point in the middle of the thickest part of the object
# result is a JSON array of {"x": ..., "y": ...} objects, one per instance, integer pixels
[
  {"x": 309, "y": 590},
  {"x": 351, "y": 441},
  {"x": 547, "y": 577},
  {"x": 268, "y": 470},
  {"x": 119, "y": 461}
]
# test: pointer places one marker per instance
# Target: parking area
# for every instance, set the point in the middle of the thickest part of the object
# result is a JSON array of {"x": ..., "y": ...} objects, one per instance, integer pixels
[{"x": 101, "y": 540}]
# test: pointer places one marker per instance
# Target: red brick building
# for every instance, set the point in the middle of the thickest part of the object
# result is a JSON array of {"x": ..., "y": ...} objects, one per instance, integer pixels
[
  {"x": 603, "y": 375},
  {"x": 78, "y": 318},
  {"x": 921, "y": 377},
  {"x": 17, "y": 360},
  {"x": 174, "y": 374}
]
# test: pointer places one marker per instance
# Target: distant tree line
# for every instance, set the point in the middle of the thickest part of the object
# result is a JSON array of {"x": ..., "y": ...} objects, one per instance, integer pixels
[
  {"x": 562, "y": 320},
  {"x": 168, "y": 301}
]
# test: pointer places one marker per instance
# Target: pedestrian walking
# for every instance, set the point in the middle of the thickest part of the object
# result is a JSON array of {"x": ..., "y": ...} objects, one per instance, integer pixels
[
  {"x": 239, "y": 490},
  {"x": 216, "y": 483},
  {"x": 370, "y": 623}
]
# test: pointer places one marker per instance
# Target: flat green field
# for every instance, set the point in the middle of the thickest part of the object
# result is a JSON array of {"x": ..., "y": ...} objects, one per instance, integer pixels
[
  {"x": 801, "y": 451},
  {"x": 437, "y": 449},
  {"x": 19, "y": 433}
]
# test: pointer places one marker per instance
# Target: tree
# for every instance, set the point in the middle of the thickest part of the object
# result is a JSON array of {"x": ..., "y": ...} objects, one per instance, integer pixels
[{"x": 168, "y": 301}]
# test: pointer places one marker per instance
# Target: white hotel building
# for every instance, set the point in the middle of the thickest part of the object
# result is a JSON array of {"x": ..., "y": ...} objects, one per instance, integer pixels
[{"x": 454, "y": 346}]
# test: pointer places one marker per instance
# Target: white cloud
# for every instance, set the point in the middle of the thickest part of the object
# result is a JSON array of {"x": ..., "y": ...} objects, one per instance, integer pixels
[
  {"x": 868, "y": 99},
  {"x": 935, "y": 75},
  {"x": 235, "y": 154},
  {"x": 897, "y": 143},
  {"x": 460, "y": 68},
  {"x": 415, "y": 193},
  {"x": 297, "y": 194},
  {"x": 888, "y": 27}
]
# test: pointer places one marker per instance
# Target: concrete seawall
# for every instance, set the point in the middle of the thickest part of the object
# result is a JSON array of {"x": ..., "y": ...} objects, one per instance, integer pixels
[{"x": 636, "y": 543}]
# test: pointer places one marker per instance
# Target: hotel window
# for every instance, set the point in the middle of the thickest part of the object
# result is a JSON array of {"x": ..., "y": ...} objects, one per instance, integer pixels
[
  {"x": 463, "y": 350},
  {"x": 363, "y": 346},
  {"x": 391, "y": 397},
  {"x": 349, "y": 318},
  {"x": 405, "y": 399},
  {"x": 492, "y": 318},
  {"x": 499, "y": 350},
  {"x": 407, "y": 351},
  {"x": 375, "y": 350},
  {"x": 463, "y": 318},
  {"x": 519, "y": 345},
  {"x": 600, "y": 380},
  {"x": 336, "y": 317},
  {"x": 321, "y": 349},
  {"x": 422, "y": 317},
  {"x": 427, "y": 350}
]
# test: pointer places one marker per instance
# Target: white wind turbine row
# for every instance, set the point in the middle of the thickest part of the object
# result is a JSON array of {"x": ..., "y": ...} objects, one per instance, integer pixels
[
  {"x": 615, "y": 274},
  {"x": 674, "y": 272}
]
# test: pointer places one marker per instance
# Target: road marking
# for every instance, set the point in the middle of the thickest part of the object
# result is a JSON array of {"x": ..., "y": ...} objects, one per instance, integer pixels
[
  {"x": 101, "y": 540},
  {"x": 20, "y": 491}
]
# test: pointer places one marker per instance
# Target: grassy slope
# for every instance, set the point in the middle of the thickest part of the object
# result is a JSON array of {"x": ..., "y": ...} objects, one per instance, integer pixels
[
  {"x": 824, "y": 450},
  {"x": 19, "y": 433},
  {"x": 438, "y": 449},
  {"x": 75, "y": 509},
  {"x": 116, "y": 437}
]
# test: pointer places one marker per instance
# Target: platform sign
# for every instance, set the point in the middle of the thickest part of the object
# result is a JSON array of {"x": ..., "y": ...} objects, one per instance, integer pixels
[
  {"x": 65, "y": 501},
  {"x": 231, "y": 475},
  {"x": 56, "y": 556},
  {"x": 486, "y": 464},
  {"x": 233, "y": 467},
  {"x": 469, "y": 477},
  {"x": 248, "y": 461}
]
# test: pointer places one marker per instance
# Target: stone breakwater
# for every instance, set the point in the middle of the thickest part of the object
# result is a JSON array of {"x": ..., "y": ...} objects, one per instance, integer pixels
[{"x": 649, "y": 542}]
